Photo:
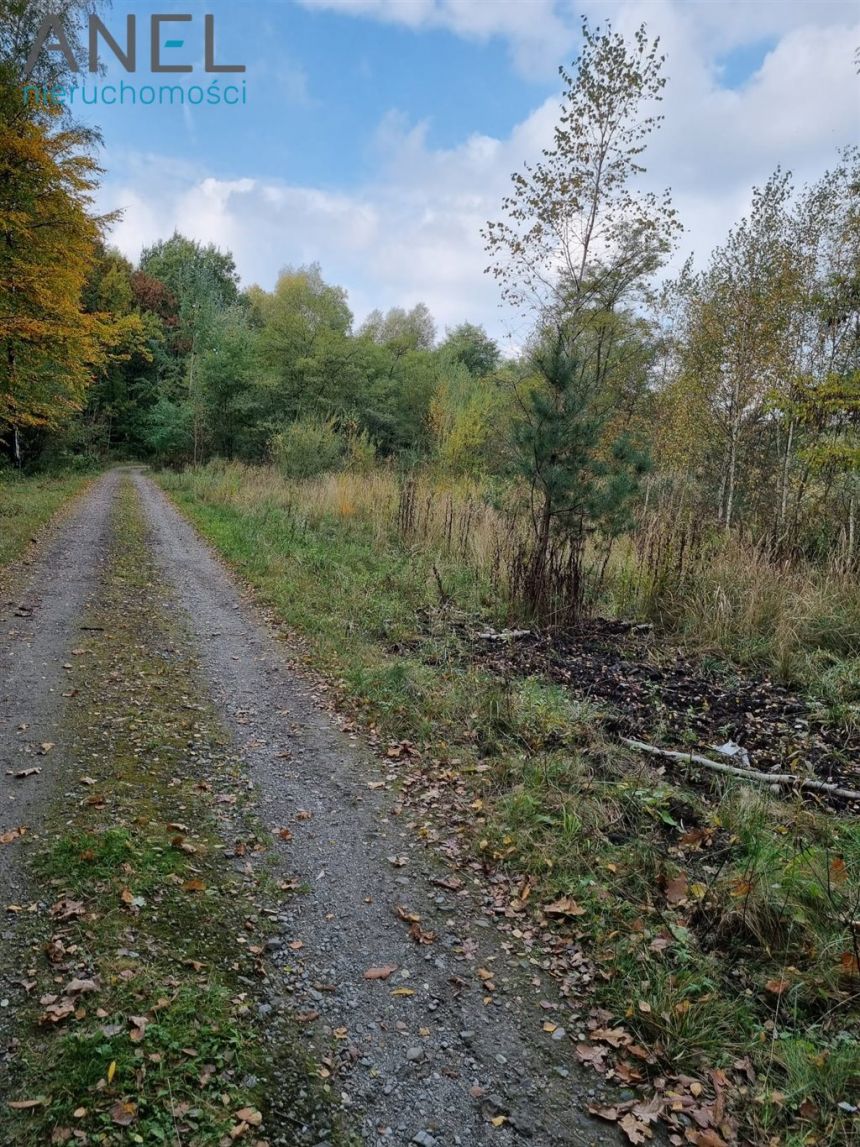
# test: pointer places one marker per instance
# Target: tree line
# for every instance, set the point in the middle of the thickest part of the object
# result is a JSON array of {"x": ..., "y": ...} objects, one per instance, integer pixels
[{"x": 727, "y": 394}]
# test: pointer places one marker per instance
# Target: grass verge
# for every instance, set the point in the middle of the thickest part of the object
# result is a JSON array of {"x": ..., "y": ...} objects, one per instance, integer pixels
[
  {"x": 147, "y": 962},
  {"x": 27, "y": 504}
]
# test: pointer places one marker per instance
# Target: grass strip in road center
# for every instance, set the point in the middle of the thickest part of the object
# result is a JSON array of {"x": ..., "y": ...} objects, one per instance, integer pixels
[{"x": 147, "y": 928}]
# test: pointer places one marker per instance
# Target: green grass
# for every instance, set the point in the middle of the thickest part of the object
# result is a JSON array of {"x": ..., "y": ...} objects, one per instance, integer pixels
[
  {"x": 756, "y": 958},
  {"x": 27, "y": 504}
]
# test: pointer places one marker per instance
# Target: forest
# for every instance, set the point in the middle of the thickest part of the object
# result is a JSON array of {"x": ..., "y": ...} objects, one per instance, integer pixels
[
  {"x": 718, "y": 402},
  {"x": 547, "y": 582}
]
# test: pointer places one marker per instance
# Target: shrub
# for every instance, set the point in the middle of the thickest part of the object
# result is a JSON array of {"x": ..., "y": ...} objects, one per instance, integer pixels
[{"x": 306, "y": 448}]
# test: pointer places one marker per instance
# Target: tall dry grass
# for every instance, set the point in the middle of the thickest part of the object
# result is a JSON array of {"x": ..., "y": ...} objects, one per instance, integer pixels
[{"x": 711, "y": 591}]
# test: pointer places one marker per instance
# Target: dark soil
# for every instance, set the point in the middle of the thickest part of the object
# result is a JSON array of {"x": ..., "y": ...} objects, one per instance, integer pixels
[{"x": 675, "y": 700}]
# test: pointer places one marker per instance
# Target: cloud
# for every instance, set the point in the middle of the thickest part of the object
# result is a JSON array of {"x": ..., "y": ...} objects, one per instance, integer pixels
[
  {"x": 537, "y": 30},
  {"x": 412, "y": 231}
]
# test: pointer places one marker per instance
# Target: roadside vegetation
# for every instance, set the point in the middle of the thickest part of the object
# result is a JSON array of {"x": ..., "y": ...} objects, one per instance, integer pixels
[
  {"x": 716, "y": 921},
  {"x": 27, "y": 504}
]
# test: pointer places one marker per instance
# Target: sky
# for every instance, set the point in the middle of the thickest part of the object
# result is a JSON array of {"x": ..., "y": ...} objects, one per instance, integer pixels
[{"x": 378, "y": 136}]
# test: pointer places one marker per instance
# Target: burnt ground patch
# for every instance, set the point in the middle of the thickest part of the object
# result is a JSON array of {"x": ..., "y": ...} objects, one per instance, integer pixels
[{"x": 659, "y": 693}]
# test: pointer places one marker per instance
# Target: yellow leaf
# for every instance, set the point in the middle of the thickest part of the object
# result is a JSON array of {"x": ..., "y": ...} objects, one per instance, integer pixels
[{"x": 111, "y": 1071}]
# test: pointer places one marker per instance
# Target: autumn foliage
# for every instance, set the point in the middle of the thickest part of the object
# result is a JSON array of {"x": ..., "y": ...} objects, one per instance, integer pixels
[{"x": 48, "y": 347}]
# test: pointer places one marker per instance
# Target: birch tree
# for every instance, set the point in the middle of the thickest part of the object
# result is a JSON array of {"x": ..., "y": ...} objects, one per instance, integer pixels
[
  {"x": 577, "y": 245},
  {"x": 740, "y": 318}
]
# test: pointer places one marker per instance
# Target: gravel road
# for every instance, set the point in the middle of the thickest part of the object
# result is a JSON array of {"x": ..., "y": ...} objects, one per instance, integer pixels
[
  {"x": 433, "y": 1063},
  {"x": 42, "y": 601}
]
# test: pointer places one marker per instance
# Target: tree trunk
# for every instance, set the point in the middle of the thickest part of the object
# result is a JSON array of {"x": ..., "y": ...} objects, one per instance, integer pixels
[
  {"x": 730, "y": 477},
  {"x": 783, "y": 494}
]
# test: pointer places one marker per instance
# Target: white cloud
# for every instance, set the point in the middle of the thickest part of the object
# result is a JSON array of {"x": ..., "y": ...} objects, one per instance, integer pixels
[
  {"x": 537, "y": 30},
  {"x": 412, "y": 232}
]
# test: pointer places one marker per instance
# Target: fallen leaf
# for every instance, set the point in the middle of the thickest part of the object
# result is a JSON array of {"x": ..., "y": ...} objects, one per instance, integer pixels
[
  {"x": 77, "y": 986},
  {"x": 452, "y": 883},
  {"x": 56, "y": 1013},
  {"x": 565, "y": 906},
  {"x": 12, "y": 834},
  {"x": 608, "y": 1113},
  {"x": 403, "y": 992},
  {"x": 45, "y": 747},
  {"x": 615, "y": 1037},
  {"x": 27, "y": 1104},
  {"x": 123, "y": 1113},
  {"x": 419, "y": 935},
  {"x": 707, "y": 1138},
  {"x": 381, "y": 973},
  {"x": 676, "y": 889},
  {"x": 250, "y": 1115},
  {"x": 194, "y": 885},
  {"x": 67, "y": 909},
  {"x": 22, "y": 773},
  {"x": 635, "y": 1131},
  {"x": 593, "y": 1054},
  {"x": 139, "y": 1026}
]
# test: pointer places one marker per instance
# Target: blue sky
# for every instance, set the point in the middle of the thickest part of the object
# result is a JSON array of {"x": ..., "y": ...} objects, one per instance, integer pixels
[
  {"x": 319, "y": 85},
  {"x": 378, "y": 135}
]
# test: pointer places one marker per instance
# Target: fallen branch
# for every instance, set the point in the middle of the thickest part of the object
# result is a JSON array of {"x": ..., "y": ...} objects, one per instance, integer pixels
[{"x": 746, "y": 774}]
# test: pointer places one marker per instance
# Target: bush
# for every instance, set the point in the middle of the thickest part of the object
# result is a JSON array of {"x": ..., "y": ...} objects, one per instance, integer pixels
[
  {"x": 360, "y": 453},
  {"x": 306, "y": 448}
]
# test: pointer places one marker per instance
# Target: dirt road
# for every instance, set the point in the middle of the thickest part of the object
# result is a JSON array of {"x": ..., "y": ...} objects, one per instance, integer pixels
[{"x": 423, "y": 1056}]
